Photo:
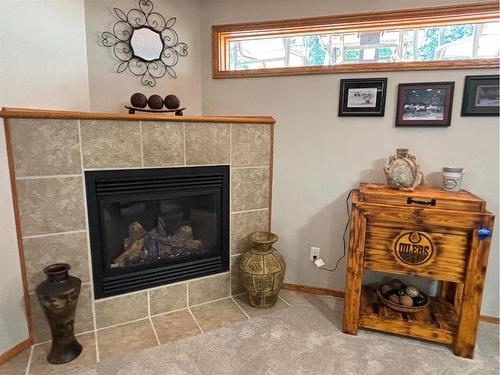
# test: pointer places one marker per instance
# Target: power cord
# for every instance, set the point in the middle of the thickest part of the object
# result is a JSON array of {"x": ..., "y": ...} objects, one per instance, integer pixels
[{"x": 344, "y": 237}]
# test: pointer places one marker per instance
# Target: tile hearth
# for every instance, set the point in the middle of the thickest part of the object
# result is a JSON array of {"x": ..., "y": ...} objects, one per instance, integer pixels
[{"x": 126, "y": 338}]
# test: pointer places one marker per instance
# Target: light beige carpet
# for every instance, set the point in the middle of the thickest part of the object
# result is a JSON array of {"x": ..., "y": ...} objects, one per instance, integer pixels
[{"x": 303, "y": 339}]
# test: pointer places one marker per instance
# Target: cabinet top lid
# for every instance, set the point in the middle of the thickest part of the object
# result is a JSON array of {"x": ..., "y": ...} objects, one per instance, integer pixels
[{"x": 426, "y": 197}]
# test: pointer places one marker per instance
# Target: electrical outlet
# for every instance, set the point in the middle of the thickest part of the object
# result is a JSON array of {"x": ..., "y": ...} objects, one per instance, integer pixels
[{"x": 314, "y": 253}]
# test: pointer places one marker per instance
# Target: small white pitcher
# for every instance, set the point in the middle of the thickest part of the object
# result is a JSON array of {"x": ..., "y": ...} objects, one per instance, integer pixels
[{"x": 452, "y": 178}]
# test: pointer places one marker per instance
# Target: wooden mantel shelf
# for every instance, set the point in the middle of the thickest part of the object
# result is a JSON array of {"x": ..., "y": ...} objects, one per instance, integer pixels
[{"x": 57, "y": 114}]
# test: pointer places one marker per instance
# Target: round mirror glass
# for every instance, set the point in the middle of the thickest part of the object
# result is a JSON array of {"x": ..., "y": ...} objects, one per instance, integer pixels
[{"x": 146, "y": 44}]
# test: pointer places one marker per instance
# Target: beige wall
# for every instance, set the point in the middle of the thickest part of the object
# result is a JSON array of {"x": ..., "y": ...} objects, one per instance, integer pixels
[
  {"x": 43, "y": 64},
  {"x": 13, "y": 327},
  {"x": 319, "y": 157},
  {"x": 109, "y": 90}
]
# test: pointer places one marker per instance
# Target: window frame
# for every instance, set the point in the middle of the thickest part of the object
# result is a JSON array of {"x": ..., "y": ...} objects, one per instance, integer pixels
[{"x": 387, "y": 20}]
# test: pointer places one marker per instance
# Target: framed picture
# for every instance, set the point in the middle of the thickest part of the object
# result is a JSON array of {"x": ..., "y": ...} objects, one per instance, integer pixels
[
  {"x": 362, "y": 97},
  {"x": 424, "y": 104},
  {"x": 481, "y": 96}
]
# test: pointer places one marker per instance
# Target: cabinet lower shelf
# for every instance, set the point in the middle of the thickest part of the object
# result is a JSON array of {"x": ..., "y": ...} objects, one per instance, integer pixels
[{"x": 437, "y": 322}]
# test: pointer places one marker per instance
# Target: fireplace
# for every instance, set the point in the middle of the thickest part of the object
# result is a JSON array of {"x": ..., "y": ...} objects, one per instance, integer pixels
[{"x": 150, "y": 227}]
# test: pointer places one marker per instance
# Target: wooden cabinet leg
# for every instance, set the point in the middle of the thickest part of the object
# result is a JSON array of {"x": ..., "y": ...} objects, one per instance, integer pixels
[
  {"x": 354, "y": 276},
  {"x": 472, "y": 295}
]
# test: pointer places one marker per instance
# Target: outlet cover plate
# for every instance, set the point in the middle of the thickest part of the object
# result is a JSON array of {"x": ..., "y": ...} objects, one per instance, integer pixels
[{"x": 314, "y": 253}]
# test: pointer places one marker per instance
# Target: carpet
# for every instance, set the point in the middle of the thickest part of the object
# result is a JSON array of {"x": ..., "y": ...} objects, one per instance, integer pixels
[{"x": 303, "y": 339}]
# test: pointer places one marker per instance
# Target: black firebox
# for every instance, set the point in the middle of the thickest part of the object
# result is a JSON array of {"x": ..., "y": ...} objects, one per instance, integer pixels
[{"x": 150, "y": 227}]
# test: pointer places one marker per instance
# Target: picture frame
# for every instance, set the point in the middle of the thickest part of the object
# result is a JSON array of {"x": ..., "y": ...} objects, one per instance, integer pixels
[
  {"x": 481, "y": 96},
  {"x": 425, "y": 104},
  {"x": 362, "y": 97}
]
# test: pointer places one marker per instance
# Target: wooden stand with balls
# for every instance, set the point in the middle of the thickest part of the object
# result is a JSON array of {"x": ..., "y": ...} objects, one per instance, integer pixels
[
  {"x": 429, "y": 233},
  {"x": 139, "y": 102}
]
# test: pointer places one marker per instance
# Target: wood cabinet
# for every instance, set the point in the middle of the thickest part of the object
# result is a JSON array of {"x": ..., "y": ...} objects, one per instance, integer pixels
[{"x": 427, "y": 233}]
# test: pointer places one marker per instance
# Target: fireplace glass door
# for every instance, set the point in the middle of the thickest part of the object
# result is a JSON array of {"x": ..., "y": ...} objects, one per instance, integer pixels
[
  {"x": 149, "y": 227},
  {"x": 158, "y": 230}
]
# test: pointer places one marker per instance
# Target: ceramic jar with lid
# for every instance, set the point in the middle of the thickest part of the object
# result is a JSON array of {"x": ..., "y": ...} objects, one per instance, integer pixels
[{"x": 452, "y": 178}]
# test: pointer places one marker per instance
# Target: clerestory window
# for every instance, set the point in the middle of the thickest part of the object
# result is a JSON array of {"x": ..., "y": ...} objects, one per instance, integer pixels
[{"x": 465, "y": 36}]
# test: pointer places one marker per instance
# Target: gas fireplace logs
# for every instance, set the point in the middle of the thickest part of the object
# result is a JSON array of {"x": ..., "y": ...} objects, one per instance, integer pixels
[{"x": 140, "y": 245}]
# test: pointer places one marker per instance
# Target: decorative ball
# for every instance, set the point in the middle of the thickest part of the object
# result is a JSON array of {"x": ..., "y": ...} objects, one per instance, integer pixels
[
  {"x": 401, "y": 292},
  {"x": 386, "y": 288},
  {"x": 172, "y": 102},
  {"x": 418, "y": 301},
  {"x": 139, "y": 100},
  {"x": 406, "y": 301},
  {"x": 412, "y": 291},
  {"x": 155, "y": 102},
  {"x": 397, "y": 284},
  {"x": 394, "y": 298}
]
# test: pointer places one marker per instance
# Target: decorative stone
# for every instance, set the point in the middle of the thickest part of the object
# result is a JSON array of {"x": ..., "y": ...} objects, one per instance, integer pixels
[
  {"x": 394, "y": 298},
  {"x": 58, "y": 296},
  {"x": 172, "y": 102},
  {"x": 406, "y": 301},
  {"x": 386, "y": 288},
  {"x": 419, "y": 301},
  {"x": 262, "y": 269},
  {"x": 155, "y": 102},
  {"x": 402, "y": 171},
  {"x": 139, "y": 100},
  {"x": 412, "y": 291}
]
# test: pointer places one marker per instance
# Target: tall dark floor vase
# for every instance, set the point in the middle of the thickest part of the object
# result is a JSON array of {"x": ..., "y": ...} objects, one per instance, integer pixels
[{"x": 58, "y": 296}]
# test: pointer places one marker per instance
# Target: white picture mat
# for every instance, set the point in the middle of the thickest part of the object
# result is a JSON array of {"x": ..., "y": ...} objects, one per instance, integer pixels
[{"x": 362, "y": 97}]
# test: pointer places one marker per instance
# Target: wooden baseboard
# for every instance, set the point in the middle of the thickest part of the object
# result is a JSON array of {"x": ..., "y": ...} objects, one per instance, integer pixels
[
  {"x": 11, "y": 353},
  {"x": 489, "y": 319},
  {"x": 313, "y": 290},
  {"x": 340, "y": 294}
]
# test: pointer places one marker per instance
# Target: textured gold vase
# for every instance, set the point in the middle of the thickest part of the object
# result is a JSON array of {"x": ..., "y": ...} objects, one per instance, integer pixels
[{"x": 262, "y": 269}]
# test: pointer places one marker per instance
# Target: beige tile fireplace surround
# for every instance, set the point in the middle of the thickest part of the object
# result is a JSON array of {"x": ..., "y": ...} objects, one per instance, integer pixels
[{"x": 49, "y": 152}]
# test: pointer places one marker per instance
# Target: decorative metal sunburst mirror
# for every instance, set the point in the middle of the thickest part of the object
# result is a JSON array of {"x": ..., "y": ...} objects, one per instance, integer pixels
[{"x": 145, "y": 43}]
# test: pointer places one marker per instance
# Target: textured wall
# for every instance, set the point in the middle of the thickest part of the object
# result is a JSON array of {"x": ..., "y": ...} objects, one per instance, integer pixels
[
  {"x": 319, "y": 157},
  {"x": 43, "y": 64},
  {"x": 110, "y": 90}
]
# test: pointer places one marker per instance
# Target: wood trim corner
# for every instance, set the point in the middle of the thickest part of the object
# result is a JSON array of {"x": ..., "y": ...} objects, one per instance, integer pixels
[
  {"x": 271, "y": 173},
  {"x": 15, "y": 201},
  {"x": 14, "y": 351}
]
